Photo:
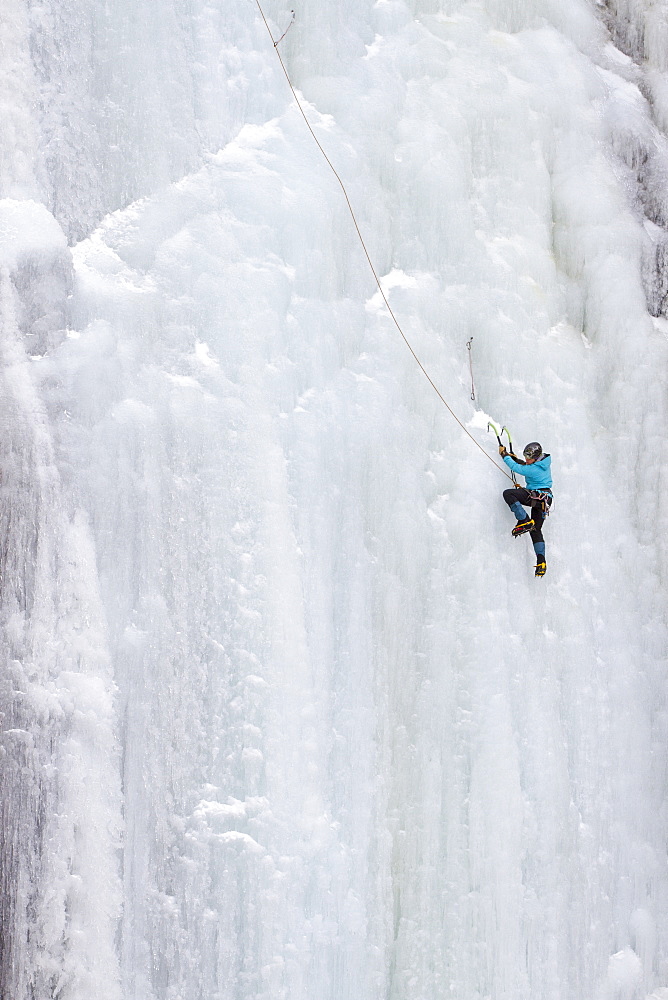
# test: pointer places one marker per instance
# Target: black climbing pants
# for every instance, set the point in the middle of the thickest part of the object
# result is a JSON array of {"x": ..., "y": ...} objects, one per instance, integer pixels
[{"x": 520, "y": 495}]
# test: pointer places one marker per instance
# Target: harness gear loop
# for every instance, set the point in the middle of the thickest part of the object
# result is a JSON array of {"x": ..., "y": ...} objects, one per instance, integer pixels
[
  {"x": 366, "y": 252},
  {"x": 544, "y": 500}
]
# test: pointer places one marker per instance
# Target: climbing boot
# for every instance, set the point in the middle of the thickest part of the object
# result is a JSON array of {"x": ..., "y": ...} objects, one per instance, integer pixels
[
  {"x": 540, "y": 566},
  {"x": 522, "y": 526}
]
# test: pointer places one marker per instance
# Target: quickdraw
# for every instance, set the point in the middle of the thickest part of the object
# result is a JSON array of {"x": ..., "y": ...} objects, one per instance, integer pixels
[
  {"x": 468, "y": 344},
  {"x": 279, "y": 40}
]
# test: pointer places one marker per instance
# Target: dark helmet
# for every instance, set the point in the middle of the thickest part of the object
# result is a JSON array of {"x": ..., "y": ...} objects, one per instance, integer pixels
[{"x": 532, "y": 450}]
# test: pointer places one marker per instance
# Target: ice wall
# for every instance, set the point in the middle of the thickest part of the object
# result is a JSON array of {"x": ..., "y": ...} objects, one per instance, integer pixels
[
  {"x": 60, "y": 828},
  {"x": 286, "y": 713}
]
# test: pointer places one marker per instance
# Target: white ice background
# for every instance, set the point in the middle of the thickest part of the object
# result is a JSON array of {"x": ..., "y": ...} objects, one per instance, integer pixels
[{"x": 285, "y": 713}]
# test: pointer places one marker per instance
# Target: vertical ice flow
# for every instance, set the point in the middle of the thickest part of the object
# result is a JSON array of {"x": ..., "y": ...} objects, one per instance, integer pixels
[{"x": 285, "y": 713}]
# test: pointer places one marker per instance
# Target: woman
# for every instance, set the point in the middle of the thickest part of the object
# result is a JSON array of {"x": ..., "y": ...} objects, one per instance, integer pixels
[{"x": 536, "y": 494}]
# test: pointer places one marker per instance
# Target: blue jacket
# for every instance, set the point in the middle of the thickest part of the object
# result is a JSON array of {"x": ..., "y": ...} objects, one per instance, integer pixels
[{"x": 537, "y": 476}]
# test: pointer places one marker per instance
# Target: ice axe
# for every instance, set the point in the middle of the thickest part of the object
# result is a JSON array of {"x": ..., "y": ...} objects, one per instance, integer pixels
[
  {"x": 510, "y": 442},
  {"x": 496, "y": 430},
  {"x": 498, "y": 433}
]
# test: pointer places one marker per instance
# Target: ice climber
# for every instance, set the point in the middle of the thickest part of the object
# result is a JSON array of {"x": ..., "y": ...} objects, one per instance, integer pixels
[{"x": 536, "y": 494}]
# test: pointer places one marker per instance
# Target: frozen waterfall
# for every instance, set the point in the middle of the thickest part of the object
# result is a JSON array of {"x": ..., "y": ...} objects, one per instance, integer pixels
[{"x": 285, "y": 714}]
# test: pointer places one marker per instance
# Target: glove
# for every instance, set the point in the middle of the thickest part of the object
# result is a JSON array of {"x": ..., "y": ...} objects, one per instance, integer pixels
[{"x": 502, "y": 451}]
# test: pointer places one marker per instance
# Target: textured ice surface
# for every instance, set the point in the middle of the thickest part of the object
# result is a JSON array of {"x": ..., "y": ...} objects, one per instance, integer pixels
[{"x": 286, "y": 713}]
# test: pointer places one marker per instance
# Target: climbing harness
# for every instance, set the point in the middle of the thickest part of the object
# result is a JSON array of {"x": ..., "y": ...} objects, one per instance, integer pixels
[
  {"x": 543, "y": 500},
  {"x": 468, "y": 344},
  {"x": 364, "y": 247}
]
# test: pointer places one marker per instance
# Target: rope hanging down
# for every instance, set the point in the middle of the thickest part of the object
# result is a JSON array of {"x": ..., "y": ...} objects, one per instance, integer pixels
[
  {"x": 468, "y": 344},
  {"x": 292, "y": 21},
  {"x": 364, "y": 247}
]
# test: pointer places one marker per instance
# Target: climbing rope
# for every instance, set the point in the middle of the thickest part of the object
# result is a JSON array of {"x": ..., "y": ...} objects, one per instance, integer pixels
[{"x": 364, "y": 247}]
